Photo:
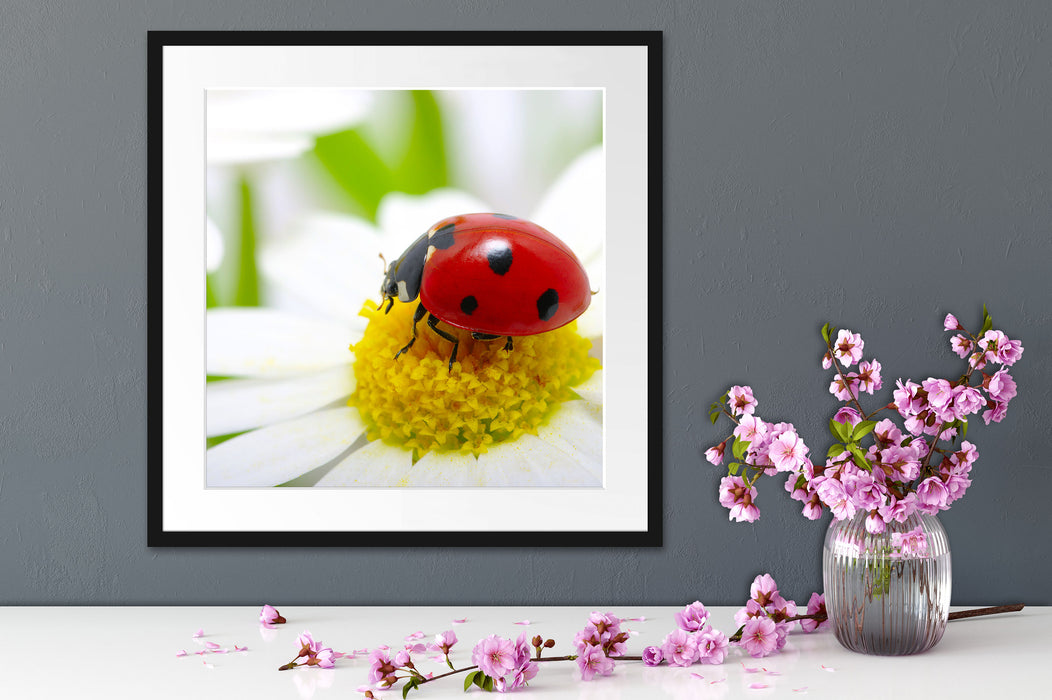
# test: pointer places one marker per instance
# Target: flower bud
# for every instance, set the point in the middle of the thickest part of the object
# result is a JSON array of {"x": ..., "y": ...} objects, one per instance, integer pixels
[{"x": 548, "y": 644}]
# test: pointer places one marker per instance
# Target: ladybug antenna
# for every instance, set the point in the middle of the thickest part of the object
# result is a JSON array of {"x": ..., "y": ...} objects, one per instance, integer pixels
[
  {"x": 384, "y": 260},
  {"x": 594, "y": 292}
]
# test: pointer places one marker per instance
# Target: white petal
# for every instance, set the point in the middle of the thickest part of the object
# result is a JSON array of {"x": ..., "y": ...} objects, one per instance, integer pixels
[
  {"x": 402, "y": 217},
  {"x": 234, "y": 405},
  {"x": 226, "y": 148},
  {"x": 264, "y": 342},
  {"x": 277, "y": 111},
  {"x": 446, "y": 469},
  {"x": 329, "y": 264},
  {"x": 374, "y": 464},
  {"x": 213, "y": 246},
  {"x": 574, "y": 208},
  {"x": 576, "y": 428},
  {"x": 591, "y": 390},
  {"x": 279, "y": 453},
  {"x": 530, "y": 461}
]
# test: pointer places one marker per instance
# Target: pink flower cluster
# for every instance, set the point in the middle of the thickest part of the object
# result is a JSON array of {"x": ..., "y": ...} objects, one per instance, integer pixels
[
  {"x": 315, "y": 653},
  {"x": 902, "y": 470},
  {"x": 507, "y": 663},
  {"x": 766, "y": 617},
  {"x": 598, "y": 644},
  {"x": 695, "y": 641}
]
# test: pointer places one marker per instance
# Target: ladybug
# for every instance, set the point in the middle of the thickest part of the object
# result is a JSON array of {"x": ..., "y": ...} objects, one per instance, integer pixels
[{"x": 492, "y": 274}]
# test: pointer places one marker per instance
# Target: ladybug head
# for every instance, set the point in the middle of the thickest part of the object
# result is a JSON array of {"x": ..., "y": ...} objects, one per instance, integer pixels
[
  {"x": 389, "y": 287},
  {"x": 402, "y": 279}
]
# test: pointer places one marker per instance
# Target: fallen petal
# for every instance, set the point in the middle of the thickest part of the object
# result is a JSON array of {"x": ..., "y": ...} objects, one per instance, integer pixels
[
  {"x": 827, "y": 668},
  {"x": 460, "y": 621},
  {"x": 237, "y": 648},
  {"x": 758, "y": 686},
  {"x": 523, "y": 622},
  {"x": 641, "y": 618},
  {"x": 415, "y": 635},
  {"x": 698, "y": 675},
  {"x": 199, "y": 633},
  {"x": 181, "y": 652},
  {"x": 715, "y": 682},
  {"x": 801, "y": 689},
  {"x": 211, "y": 645}
]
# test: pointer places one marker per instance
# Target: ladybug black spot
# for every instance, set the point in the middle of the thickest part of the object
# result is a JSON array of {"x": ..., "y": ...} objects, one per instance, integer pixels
[
  {"x": 499, "y": 259},
  {"x": 443, "y": 237},
  {"x": 468, "y": 304},
  {"x": 506, "y": 216},
  {"x": 547, "y": 304}
]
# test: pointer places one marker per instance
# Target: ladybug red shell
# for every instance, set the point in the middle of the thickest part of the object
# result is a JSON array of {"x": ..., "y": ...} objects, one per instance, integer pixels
[{"x": 492, "y": 274}]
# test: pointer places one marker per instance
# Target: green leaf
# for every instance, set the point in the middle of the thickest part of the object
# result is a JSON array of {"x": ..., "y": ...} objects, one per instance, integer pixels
[
  {"x": 863, "y": 429},
  {"x": 410, "y": 685},
  {"x": 988, "y": 322},
  {"x": 835, "y": 451},
  {"x": 732, "y": 468},
  {"x": 487, "y": 685},
  {"x": 825, "y": 332},
  {"x": 424, "y": 166},
  {"x": 469, "y": 680},
  {"x": 801, "y": 481},
  {"x": 356, "y": 167},
  {"x": 842, "y": 431},
  {"x": 247, "y": 293},
  {"x": 714, "y": 416},
  {"x": 740, "y": 446},
  {"x": 860, "y": 457},
  {"x": 964, "y": 430}
]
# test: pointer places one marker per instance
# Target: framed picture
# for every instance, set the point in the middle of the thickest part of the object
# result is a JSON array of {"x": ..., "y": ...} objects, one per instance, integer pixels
[{"x": 404, "y": 288}]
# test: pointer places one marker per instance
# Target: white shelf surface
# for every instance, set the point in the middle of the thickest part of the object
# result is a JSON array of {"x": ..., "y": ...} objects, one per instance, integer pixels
[{"x": 130, "y": 652}]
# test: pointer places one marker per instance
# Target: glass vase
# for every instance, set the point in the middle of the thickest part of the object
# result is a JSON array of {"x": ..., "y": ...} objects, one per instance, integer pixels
[{"x": 887, "y": 593}]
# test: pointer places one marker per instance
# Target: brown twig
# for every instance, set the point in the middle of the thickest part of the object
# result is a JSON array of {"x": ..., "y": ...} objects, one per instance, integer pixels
[{"x": 976, "y": 612}]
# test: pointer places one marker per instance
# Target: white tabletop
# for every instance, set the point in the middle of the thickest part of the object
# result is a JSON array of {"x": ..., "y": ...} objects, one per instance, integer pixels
[{"x": 131, "y": 652}]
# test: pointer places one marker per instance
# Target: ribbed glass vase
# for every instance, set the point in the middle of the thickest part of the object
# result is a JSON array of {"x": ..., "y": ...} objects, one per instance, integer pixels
[{"x": 887, "y": 594}]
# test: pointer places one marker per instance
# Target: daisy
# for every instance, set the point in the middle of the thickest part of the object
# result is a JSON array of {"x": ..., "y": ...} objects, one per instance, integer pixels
[{"x": 305, "y": 409}]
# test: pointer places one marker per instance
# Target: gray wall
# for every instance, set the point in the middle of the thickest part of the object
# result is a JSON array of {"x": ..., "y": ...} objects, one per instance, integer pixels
[{"x": 870, "y": 164}]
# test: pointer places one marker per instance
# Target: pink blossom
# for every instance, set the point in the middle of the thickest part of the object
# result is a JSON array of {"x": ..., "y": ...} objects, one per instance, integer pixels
[
  {"x": 760, "y": 636},
  {"x": 763, "y": 589},
  {"x": 940, "y": 391},
  {"x": 931, "y": 495},
  {"x": 715, "y": 454},
  {"x": 827, "y": 360},
  {"x": 592, "y": 662},
  {"x": 1009, "y": 352},
  {"x": 961, "y": 345},
  {"x": 680, "y": 648},
  {"x": 494, "y": 656},
  {"x": 848, "y": 347},
  {"x": 815, "y": 606},
  {"x": 869, "y": 377},
  {"x": 788, "y": 451},
  {"x": 908, "y": 399},
  {"x": 652, "y": 656},
  {"x": 951, "y": 323},
  {"x": 835, "y": 496},
  {"x": 736, "y": 495},
  {"x": 269, "y": 615},
  {"x": 966, "y": 401},
  {"x": 325, "y": 658},
  {"x": 977, "y": 360},
  {"x": 780, "y": 608},
  {"x": 1001, "y": 386},
  {"x": 887, "y": 432},
  {"x": 874, "y": 523},
  {"x": 752, "y": 609},
  {"x": 692, "y": 618},
  {"x": 750, "y": 428},
  {"x": 911, "y": 543},
  {"x": 741, "y": 401},
  {"x": 381, "y": 670},
  {"x": 444, "y": 641},
  {"x": 899, "y": 509},
  {"x": 845, "y": 388},
  {"x": 524, "y": 670},
  {"x": 867, "y": 493},
  {"x": 812, "y": 509},
  {"x": 848, "y": 416},
  {"x": 996, "y": 413},
  {"x": 712, "y": 646}
]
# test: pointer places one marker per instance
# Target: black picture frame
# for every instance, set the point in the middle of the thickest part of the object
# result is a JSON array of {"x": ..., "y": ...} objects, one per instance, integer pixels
[{"x": 165, "y": 49}]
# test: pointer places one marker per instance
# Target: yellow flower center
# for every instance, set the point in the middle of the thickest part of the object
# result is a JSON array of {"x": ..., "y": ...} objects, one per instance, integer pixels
[{"x": 490, "y": 396}]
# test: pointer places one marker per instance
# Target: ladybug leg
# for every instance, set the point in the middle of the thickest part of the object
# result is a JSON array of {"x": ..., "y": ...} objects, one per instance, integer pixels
[
  {"x": 508, "y": 344},
  {"x": 483, "y": 336},
  {"x": 432, "y": 322},
  {"x": 417, "y": 315}
]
